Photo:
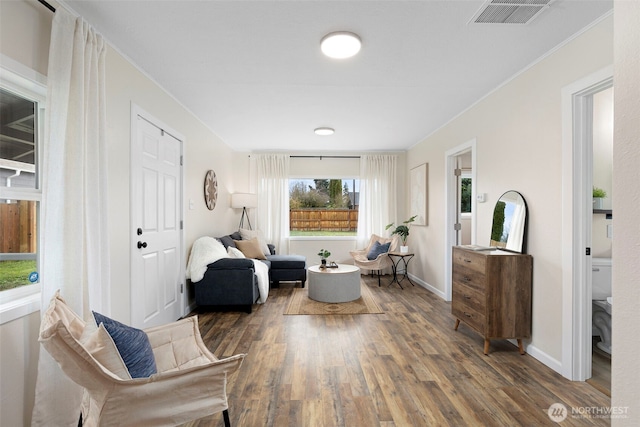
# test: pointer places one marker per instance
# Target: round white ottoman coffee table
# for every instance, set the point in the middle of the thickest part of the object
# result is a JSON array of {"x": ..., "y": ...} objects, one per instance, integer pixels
[{"x": 340, "y": 284}]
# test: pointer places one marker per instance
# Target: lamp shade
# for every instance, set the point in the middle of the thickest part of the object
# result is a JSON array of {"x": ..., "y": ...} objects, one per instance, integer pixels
[{"x": 244, "y": 200}]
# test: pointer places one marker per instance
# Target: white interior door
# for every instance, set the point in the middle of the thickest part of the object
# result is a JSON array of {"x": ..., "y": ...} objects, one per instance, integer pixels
[{"x": 156, "y": 235}]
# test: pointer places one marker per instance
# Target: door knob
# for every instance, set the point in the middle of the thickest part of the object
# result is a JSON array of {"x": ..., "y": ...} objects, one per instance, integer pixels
[{"x": 142, "y": 245}]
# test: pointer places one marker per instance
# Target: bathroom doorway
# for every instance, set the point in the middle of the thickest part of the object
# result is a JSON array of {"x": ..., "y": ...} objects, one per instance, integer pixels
[
  {"x": 601, "y": 237},
  {"x": 577, "y": 222}
]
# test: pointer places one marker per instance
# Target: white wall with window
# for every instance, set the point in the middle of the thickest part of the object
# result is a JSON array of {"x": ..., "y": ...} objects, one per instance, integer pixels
[
  {"x": 22, "y": 99},
  {"x": 343, "y": 166}
]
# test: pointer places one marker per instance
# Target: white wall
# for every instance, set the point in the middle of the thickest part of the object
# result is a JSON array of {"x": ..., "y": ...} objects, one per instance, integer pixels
[
  {"x": 518, "y": 129},
  {"x": 626, "y": 158}
]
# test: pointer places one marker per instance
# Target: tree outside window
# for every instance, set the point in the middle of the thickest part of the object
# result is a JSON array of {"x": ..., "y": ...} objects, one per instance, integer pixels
[{"x": 323, "y": 207}]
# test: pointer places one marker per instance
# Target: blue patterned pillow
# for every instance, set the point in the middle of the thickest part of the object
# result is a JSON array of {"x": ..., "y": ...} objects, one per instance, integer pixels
[
  {"x": 133, "y": 346},
  {"x": 378, "y": 249}
]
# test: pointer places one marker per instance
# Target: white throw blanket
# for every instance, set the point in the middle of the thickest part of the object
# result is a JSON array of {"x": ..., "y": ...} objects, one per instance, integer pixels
[{"x": 207, "y": 250}]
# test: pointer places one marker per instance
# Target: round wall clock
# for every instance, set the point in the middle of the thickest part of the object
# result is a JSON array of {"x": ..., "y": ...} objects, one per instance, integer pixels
[{"x": 210, "y": 189}]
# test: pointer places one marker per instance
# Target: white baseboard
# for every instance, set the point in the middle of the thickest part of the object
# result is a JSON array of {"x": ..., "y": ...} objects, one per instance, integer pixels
[
  {"x": 427, "y": 286},
  {"x": 541, "y": 356}
]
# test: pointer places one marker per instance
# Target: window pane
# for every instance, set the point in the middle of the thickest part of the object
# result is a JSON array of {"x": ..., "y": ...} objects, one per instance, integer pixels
[
  {"x": 323, "y": 207},
  {"x": 18, "y": 243},
  {"x": 18, "y": 138},
  {"x": 465, "y": 195}
]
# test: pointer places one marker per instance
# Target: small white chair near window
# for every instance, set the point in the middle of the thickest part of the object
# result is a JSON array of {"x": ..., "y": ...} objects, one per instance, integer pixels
[{"x": 382, "y": 260}]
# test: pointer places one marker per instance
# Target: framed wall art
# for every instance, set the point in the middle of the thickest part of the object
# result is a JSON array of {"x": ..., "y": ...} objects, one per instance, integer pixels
[{"x": 419, "y": 181}]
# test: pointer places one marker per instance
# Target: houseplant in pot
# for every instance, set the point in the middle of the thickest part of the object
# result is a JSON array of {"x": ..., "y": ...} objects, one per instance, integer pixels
[
  {"x": 323, "y": 254},
  {"x": 402, "y": 230},
  {"x": 598, "y": 195}
]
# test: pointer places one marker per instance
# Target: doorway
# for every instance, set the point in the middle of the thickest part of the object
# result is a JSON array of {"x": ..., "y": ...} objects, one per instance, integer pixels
[
  {"x": 460, "y": 163},
  {"x": 157, "y": 235},
  {"x": 577, "y": 222}
]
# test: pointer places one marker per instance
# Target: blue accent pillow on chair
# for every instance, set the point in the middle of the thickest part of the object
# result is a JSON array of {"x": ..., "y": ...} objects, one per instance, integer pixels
[
  {"x": 377, "y": 249},
  {"x": 133, "y": 346}
]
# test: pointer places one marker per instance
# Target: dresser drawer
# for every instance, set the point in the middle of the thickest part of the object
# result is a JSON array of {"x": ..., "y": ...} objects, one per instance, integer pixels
[
  {"x": 469, "y": 297},
  {"x": 468, "y": 315},
  {"x": 472, "y": 260},
  {"x": 467, "y": 277}
]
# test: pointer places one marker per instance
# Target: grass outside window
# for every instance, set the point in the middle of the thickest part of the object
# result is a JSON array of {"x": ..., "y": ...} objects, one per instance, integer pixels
[{"x": 14, "y": 274}]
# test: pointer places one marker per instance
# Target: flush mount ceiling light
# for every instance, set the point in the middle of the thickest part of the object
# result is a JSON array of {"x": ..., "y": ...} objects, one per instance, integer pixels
[
  {"x": 324, "y": 131},
  {"x": 340, "y": 45}
]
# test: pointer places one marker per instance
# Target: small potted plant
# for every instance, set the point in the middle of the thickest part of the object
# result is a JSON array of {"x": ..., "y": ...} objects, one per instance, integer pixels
[
  {"x": 598, "y": 195},
  {"x": 324, "y": 254},
  {"x": 403, "y": 231}
]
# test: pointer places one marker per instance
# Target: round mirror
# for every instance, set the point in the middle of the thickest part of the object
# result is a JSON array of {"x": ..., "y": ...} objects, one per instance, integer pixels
[{"x": 509, "y": 229}]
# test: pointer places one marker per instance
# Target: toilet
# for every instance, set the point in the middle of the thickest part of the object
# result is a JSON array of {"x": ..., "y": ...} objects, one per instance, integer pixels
[{"x": 602, "y": 302}]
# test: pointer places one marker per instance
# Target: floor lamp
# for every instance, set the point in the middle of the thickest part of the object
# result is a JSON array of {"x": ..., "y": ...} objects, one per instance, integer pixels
[{"x": 244, "y": 201}]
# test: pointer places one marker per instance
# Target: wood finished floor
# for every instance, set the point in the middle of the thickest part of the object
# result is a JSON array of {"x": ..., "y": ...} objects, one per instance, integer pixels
[{"x": 406, "y": 367}]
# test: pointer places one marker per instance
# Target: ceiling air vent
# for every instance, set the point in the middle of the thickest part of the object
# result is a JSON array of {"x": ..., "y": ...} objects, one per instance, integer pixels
[{"x": 509, "y": 11}]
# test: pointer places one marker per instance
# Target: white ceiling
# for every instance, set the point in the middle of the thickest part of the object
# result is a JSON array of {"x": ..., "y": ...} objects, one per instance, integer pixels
[{"x": 253, "y": 72}]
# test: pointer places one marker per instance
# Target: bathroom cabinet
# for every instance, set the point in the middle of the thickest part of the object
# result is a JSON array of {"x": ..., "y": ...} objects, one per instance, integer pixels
[{"x": 492, "y": 293}]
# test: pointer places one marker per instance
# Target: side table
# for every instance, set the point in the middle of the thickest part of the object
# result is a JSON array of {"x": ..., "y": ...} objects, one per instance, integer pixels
[{"x": 396, "y": 258}]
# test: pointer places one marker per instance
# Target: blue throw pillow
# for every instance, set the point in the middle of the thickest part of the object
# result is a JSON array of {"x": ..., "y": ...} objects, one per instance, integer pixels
[
  {"x": 133, "y": 346},
  {"x": 378, "y": 249}
]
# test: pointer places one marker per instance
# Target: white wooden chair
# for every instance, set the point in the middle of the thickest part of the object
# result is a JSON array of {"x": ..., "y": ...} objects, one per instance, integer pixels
[{"x": 190, "y": 382}]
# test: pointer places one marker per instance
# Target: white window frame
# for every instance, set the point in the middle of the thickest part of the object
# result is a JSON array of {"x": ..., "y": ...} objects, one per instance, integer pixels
[
  {"x": 28, "y": 83},
  {"x": 321, "y": 238}
]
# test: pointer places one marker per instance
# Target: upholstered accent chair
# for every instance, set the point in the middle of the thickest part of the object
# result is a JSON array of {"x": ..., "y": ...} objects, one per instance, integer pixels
[
  {"x": 190, "y": 382},
  {"x": 363, "y": 258}
]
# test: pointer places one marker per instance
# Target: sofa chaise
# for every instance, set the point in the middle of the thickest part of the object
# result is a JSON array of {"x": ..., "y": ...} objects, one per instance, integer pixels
[{"x": 233, "y": 282}]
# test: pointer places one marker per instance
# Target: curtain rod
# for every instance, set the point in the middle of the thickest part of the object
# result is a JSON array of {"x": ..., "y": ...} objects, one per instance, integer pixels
[
  {"x": 326, "y": 157},
  {"x": 47, "y": 5}
]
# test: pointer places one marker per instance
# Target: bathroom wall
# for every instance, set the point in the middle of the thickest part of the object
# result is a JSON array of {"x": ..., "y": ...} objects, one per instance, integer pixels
[{"x": 602, "y": 169}]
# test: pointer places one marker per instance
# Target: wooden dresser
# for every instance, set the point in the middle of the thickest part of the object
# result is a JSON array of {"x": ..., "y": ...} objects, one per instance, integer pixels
[{"x": 492, "y": 293}]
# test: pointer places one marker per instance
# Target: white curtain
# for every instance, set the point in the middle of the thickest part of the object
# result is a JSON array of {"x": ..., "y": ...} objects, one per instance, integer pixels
[
  {"x": 272, "y": 171},
  {"x": 378, "y": 202},
  {"x": 74, "y": 198}
]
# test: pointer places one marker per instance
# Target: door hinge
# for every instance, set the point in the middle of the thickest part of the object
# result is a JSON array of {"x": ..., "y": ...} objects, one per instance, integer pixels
[
  {"x": 457, "y": 226},
  {"x": 457, "y": 172},
  {"x": 588, "y": 251},
  {"x": 181, "y": 288},
  {"x": 181, "y": 224},
  {"x": 181, "y": 160}
]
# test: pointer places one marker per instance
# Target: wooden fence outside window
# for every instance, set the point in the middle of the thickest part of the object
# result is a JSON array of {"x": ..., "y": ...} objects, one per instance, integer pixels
[{"x": 323, "y": 219}]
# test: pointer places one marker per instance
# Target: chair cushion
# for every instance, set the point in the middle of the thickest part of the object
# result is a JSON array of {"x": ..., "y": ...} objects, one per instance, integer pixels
[
  {"x": 250, "y": 248},
  {"x": 133, "y": 346},
  {"x": 377, "y": 249}
]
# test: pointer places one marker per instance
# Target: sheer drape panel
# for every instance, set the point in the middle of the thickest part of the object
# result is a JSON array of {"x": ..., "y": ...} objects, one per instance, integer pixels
[
  {"x": 273, "y": 198},
  {"x": 74, "y": 194},
  {"x": 378, "y": 202}
]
